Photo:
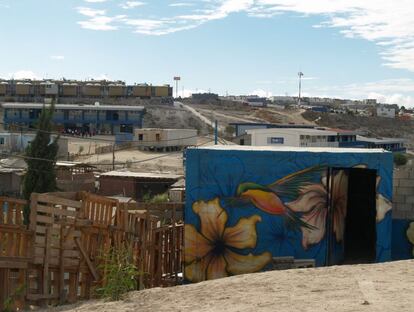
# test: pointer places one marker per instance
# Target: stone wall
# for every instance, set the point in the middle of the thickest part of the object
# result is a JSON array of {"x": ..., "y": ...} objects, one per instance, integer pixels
[{"x": 403, "y": 194}]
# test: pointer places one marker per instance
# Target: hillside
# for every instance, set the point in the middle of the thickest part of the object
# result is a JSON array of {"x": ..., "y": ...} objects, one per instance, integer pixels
[
  {"x": 387, "y": 287},
  {"x": 373, "y": 126}
]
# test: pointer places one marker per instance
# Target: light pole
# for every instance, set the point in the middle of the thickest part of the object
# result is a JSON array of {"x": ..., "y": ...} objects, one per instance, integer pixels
[
  {"x": 176, "y": 79},
  {"x": 300, "y": 74}
]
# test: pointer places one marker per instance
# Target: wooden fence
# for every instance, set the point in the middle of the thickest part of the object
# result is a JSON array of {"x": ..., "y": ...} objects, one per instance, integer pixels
[{"x": 58, "y": 258}]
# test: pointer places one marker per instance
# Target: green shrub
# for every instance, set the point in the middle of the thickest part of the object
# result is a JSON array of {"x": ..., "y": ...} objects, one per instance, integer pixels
[
  {"x": 157, "y": 199},
  {"x": 400, "y": 159},
  {"x": 120, "y": 274}
]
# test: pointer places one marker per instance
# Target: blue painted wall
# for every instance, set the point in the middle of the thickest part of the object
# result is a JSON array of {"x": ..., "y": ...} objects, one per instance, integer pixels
[
  {"x": 217, "y": 174},
  {"x": 402, "y": 248}
]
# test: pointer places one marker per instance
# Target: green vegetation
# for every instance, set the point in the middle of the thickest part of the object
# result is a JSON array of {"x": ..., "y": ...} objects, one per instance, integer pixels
[
  {"x": 400, "y": 159},
  {"x": 41, "y": 157},
  {"x": 157, "y": 199},
  {"x": 8, "y": 304},
  {"x": 120, "y": 274}
]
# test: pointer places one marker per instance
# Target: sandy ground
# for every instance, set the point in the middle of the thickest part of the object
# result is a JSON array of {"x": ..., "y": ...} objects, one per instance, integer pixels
[
  {"x": 144, "y": 161},
  {"x": 373, "y": 288},
  {"x": 86, "y": 146}
]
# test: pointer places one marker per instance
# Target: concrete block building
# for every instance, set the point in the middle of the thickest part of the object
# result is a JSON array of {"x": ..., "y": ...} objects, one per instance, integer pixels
[
  {"x": 164, "y": 139},
  {"x": 248, "y": 205},
  {"x": 98, "y": 119}
]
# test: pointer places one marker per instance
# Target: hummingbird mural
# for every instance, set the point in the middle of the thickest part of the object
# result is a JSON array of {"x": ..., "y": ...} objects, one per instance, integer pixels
[{"x": 268, "y": 197}]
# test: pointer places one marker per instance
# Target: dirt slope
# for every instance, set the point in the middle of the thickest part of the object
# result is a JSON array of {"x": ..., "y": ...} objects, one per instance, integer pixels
[
  {"x": 375, "y": 288},
  {"x": 373, "y": 126}
]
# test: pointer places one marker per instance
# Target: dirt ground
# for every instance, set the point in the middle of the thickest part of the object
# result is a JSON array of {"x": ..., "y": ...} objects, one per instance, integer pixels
[
  {"x": 144, "y": 161},
  {"x": 372, "y": 126},
  {"x": 387, "y": 287}
]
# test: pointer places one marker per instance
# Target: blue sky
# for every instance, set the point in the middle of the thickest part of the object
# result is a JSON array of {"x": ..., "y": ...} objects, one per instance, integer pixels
[{"x": 346, "y": 48}]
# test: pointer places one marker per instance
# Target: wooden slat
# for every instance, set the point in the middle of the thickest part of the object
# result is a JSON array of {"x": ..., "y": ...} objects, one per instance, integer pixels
[
  {"x": 46, "y": 264},
  {"x": 44, "y": 219},
  {"x": 88, "y": 261},
  {"x": 56, "y": 211},
  {"x": 58, "y": 201},
  {"x": 16, "y": 263}
]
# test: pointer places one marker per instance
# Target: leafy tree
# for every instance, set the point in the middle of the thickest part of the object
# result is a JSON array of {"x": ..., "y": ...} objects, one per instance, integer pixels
[
  {"x": 400, "y": 159},
  {"x": 41, "y": 157}
]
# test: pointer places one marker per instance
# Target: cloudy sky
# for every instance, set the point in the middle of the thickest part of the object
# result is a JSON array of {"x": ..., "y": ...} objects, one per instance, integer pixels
[{"x": 345, "y": 48}]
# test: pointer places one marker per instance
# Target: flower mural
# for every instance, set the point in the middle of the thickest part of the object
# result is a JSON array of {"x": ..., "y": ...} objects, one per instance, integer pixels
[
  {"x": 246, "y": 206},
  {"x": 210, "y": 252},
  {"x": 410, "y": 234},
  {"x": 313, "y": 203}
]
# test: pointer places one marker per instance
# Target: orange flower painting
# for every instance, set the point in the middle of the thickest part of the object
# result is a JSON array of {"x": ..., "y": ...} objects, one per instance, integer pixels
[{"x": 211, "y": 252}]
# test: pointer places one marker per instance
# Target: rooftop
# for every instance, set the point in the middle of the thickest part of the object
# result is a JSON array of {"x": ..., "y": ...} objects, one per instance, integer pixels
[
  {"x": 147, "y": 175},
  {"x": 291, "y": 149},
  {"x": 307, "y": 131},
  {"x": 380, "y": 140},
  {"x": 272, "y": 125},
  {"x": 74, "y": 106}
]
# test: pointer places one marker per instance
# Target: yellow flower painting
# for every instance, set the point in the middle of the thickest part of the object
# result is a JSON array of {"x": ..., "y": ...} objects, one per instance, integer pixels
[{"x": 211, "y": 253}]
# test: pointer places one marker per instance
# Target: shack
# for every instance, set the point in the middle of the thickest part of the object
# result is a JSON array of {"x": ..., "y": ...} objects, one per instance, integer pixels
[
  {"x": 75, "y": 177},
  {"x": 11, "y": 181},
  {"x": 137, "y": 185},
  {"x": 164, "y": 140},
  {"x": 247, "y": 206}
]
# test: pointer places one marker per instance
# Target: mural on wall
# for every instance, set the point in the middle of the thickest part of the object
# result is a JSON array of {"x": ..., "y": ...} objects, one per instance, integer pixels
[
  {"x": 410, "y": 235},
  {"x": 239, "y": 217},
  {"x": 402, "y": 239}
]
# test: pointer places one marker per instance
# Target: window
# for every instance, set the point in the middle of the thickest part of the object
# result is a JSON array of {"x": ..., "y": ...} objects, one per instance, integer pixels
[
  {"x": 158, "y": 137},
  {"x": 1, "y": 141},
  {"x": 140, "y": 137},
  {"x": 275, "y": 140}
]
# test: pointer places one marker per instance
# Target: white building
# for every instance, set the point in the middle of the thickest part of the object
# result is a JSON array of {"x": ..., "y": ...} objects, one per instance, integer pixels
[
  {"x": 165, "y": 139},
  {"x": 302, "y": 137},
  {"x": 387, "y": 112},
  {"x": 12, "y": 142}
]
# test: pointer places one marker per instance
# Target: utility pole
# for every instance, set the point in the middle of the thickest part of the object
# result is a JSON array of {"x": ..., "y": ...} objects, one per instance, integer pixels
[
  {"x": 113, "y": 156},
  {"x": 176, "y": 79},
  {"x": 300, "y": 74},
  {"x": 215, "y": 132}
]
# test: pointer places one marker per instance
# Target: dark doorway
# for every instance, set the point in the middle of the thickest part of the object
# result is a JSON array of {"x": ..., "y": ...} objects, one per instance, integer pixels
[{"x": 360, "y": 222}]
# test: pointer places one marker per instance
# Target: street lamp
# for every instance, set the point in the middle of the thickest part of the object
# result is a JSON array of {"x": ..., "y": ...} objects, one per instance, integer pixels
[{"x": 300, "y": 74}]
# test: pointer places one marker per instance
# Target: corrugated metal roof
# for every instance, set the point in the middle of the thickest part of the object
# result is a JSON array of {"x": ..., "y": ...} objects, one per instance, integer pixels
[
  {"x": 74, "y": 106},
  {"x": 301, "y": 131},
  {"x": 291, "y": 149},
  {"x": 72, "y": 164},
  {"x": 380, "y": 140},
  {"x": 148, "y": 175}
]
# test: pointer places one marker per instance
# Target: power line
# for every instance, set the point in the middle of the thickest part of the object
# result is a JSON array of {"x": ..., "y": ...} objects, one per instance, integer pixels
[
  {"x": 95, "y": 138},
  {"x": 97, "y": 164}
]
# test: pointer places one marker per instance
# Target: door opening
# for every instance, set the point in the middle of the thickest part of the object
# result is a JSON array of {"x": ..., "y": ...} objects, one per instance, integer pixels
[{"x": 360, "y": 223}]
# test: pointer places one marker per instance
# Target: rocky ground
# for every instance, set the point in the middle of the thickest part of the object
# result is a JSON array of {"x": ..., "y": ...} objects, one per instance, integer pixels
[{"x": 373, "y": 126}]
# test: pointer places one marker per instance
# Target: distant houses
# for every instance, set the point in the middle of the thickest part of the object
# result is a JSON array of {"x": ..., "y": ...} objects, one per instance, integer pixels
[{"x": 310, "y": 136}]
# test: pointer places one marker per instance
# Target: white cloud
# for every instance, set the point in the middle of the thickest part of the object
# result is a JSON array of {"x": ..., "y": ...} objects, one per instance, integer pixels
[
  {"x": 389, "y": 24},
  {"x": 181, "y": 4},
  {"x": 95, "y": 1},
  {"x": 132, "y": 4},
  {"x": 57, "y": 57},
  {"x": 189, "y": 92},
  {"x": 22, "y": 74},
  {"x": 389, "y": 91},
  {"x": 261, "y": 93},
  {"x": 89, "y": 12},
  {"x": 98, "y": 20}
]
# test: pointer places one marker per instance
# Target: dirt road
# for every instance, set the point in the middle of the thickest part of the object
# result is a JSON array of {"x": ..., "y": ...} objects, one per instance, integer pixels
[{"x": 385, "y": 287}]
